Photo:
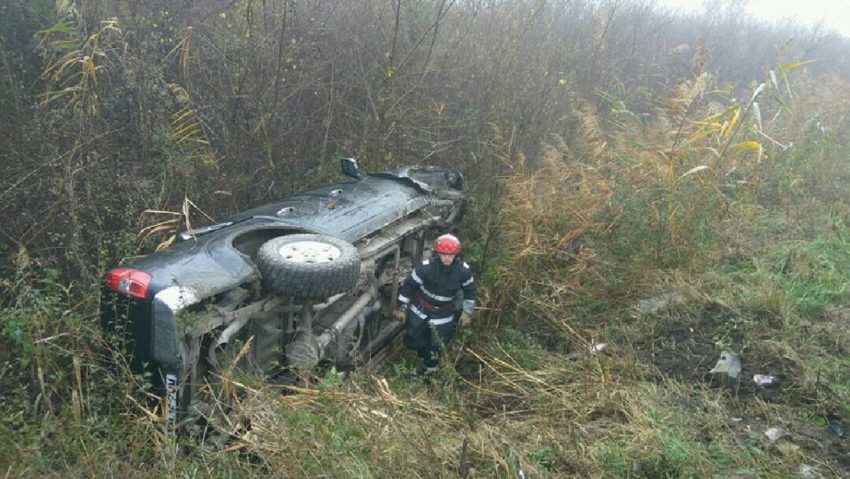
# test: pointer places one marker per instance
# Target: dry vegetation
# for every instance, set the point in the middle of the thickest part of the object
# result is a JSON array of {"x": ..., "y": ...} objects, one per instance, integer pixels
[{"x": 670, "y": 187}]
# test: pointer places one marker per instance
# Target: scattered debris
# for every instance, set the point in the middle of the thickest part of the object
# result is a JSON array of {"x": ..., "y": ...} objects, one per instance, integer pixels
[
  {"x": 774, "y": 434},
  {"x": 657, "y": 303},
  {"x": 765, "y": 381},
  {"x": 806, "y": 471},
  {"x": 836, "y": 428},
  {"x": 729, "y": 364},
  {"x": 598, "y": 348}
]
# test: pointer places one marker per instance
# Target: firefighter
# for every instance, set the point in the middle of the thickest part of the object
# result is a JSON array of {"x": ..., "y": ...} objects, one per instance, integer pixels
[{"x": 426, "y": 301}]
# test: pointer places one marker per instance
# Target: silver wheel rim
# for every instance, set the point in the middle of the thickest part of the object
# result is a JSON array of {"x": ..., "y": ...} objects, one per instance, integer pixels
[{"x": 309, "y": 252}]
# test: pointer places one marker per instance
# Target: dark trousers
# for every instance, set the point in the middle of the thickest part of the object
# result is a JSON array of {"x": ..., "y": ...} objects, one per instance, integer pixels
[{"x": 426, "y": 339}]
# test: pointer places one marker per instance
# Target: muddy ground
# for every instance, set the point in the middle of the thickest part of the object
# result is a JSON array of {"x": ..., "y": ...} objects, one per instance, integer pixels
[{"x": 804, "y": 409}]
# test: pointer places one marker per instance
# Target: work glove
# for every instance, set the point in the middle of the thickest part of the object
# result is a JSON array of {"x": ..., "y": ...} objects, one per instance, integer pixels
[
  {"x": 400, "y": 314},
  {"x": 465, "y": 319}
]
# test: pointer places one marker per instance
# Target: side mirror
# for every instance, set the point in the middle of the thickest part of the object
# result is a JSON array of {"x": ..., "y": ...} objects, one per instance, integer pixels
[{"x": 349, "y": 167}]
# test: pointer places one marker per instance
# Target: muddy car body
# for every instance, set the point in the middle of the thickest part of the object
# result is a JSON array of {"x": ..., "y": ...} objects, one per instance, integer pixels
[{"x": 310, "y": 279}]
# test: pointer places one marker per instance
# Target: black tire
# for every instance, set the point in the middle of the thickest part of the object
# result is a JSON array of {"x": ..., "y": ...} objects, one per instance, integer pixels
[{"x": 308, "y": 265}]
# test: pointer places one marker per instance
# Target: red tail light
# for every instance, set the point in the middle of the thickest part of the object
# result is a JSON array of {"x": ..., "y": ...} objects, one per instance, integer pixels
[{"x": 129, "y": 281}]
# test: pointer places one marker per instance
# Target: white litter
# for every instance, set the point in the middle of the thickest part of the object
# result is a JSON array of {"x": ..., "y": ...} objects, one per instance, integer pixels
[
  {"x": 806, "y": 471},
  {"x": 765, "y": 381},
  {"x": 728, "y": 364},
  {"x": 773, "y": 434}
]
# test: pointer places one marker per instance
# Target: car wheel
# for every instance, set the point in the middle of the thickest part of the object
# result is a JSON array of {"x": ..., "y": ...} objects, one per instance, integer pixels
[{"x": 308, "y": 265}]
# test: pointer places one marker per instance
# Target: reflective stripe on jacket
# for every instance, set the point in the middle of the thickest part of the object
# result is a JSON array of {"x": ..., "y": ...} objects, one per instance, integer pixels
[{"x": 436, "y": 286}]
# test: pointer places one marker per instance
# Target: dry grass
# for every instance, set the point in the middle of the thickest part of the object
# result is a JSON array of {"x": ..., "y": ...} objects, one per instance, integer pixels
[
  {"x": 165, "y": 231},
  {"x": 624, "y": 207},
  {"x": 75, "y": 74},
  {"x": 528, "y": 396}
]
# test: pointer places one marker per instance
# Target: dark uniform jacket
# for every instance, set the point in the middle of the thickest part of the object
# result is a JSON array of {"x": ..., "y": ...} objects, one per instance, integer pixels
[{"x": 430, "y": 291}]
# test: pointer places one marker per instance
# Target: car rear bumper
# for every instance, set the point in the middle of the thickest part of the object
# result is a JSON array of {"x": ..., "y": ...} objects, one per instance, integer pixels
[{"x": 144, "y": 332}]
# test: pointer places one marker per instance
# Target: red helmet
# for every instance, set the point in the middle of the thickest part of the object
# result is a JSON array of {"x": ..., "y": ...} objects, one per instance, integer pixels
[{"x": 447, "y": 244}]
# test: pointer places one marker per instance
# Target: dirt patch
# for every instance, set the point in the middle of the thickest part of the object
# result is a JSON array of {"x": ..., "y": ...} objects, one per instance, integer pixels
[{"x": 685, "y": 347}]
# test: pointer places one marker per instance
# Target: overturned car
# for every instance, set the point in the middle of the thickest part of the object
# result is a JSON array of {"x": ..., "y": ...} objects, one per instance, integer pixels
[{"x": 280, "y": 289}]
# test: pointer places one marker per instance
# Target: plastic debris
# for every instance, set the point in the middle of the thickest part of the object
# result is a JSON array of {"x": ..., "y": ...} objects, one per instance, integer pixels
[
  {"x": 837, "y": 428},
  {"x": 773, "y": 434},
  {"x": 657, "y": 303},
  {"x": 598, "y": 348},
  {"x": 765, "y": 381},
  {"x": 728, "y": 364},
  {"x": 806, "y": 471}
]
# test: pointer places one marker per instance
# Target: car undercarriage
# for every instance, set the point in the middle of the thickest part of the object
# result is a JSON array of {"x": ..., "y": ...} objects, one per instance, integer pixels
[{"x": 281, "y": 289}]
